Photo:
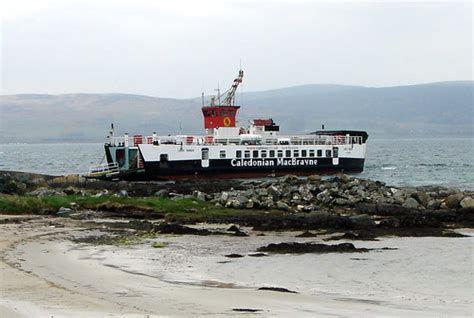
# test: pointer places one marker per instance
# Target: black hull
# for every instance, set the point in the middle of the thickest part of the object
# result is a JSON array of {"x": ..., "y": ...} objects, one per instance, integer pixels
[{"x": 219, "y": 169}]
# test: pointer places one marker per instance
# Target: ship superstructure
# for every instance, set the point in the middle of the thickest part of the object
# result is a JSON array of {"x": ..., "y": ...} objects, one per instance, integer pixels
[{"x": 229, "y": 151}]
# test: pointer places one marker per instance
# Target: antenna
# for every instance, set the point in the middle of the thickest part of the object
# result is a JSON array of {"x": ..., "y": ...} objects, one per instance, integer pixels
[
  {"x": 202, "y": 97},
  {"x": 218, "y": 94}
]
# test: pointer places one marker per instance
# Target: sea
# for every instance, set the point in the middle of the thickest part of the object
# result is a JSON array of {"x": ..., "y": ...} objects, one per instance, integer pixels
[{"x": 399, "y": 162}]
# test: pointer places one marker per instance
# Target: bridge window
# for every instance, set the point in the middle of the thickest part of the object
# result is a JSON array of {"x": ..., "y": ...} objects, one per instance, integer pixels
[
  {"x": 328, "y": 153},
  {"x": 255, "y": 154},
  {"x": 320, "y": 153},
  {"x": 238, "y": 153},
  {"x": 247, "y": 154},
  {"x": 296, "y": 153},
  {"x": 272, "y": 154},
  {"x": 288, "y": 153},
  {"x": 222, "y": 154},
  {"x": 304, "y": 153},
  {"x": 311, "y": 153},
  {"x": 280, "y": 153},
  {"x": 263, "y": 153}
]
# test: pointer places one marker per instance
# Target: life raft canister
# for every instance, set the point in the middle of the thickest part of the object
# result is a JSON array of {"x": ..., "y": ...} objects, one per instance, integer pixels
[
  {"x": 189, "y": 139},
  {"x": 137, "y": 139},
  {"x": 209, "y": 139},
  {"x": 339, "y": 139}
]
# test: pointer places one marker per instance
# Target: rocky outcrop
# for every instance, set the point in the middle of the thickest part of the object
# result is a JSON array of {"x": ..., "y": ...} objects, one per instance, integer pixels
[
  {"x": 314, "y": 193},
  {"x": 299, "y": 248}
]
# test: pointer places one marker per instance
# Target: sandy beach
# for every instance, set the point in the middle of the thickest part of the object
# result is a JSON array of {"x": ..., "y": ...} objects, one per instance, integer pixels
[{"x": 45, "y": 273}]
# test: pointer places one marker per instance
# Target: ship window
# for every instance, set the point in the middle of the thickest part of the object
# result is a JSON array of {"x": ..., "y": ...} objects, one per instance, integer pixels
[
  {"x": 213, "y": 112},
  {"x": 320, "y": 153},
  {"x": 264, "y": 153},
  {"x": 255, "y": 154},
  {"x": 335, "y": 152},
  {"x": 163, "y": 157},
  {"x": 296, "y": 153},
  {"x": 224, "y": 112},
  {"x": 280, "y": 153},
  {"x": 288, "y": 153},
  {"x": 311, "y": 153},
  {"x": 272, "y": 154},
  {"x": 231, "y": 113},
  {"x": 328, "y": 153},
  {"x": 238, "y": 153},
  {"x": 247, "y": 154},
  {"x": 222, "y": 154},
  {"x": 304, "y": 153}
]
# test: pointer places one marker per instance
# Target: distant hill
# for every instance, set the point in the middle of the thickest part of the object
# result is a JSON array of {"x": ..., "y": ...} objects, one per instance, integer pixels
[{"x": 434, "y": 109}]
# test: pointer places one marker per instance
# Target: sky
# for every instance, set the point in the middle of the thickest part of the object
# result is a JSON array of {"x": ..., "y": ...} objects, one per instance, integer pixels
[{"x": 180, "y": 48}]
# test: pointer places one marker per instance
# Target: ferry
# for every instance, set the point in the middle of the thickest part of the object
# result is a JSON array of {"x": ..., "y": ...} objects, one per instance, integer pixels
[{"x": 227, "y": 150}]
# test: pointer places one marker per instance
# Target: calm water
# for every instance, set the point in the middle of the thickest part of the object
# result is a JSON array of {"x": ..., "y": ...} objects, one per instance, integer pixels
[{"x": 446, "y": 162}]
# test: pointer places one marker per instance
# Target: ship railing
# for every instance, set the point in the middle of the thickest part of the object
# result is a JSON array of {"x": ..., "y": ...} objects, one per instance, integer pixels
[
  {"x": 105, "y": 168},
  {"x": 211, "y": 140}
]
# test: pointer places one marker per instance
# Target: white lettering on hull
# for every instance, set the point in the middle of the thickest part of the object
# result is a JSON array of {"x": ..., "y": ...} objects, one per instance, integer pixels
[{"x": 270, "y": 163}]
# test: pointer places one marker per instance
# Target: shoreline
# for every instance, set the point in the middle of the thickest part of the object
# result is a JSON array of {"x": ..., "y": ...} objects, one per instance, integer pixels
[
  {"x": 282, "y": 247},
  {"x": 63, "y": 278}
]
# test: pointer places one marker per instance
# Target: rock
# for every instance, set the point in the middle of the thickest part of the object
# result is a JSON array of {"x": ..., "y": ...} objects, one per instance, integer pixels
[
  {"x": 64, "y": 211},
  {"x": 369, "y": 208},
  {"x": 421, "y": 197},
  {"x": 289, "y": 179},
  {"x": 299, "y": 248},
  {"x": 342, "y": 177},
  {"x": 362, "y": 221},
  {"x": 45, "y": 192},
  {"x": 173, "y": 228},
  {"x": 341, "y": 201},
  {"x": 434, "y": 204},
  {"x": 283, "y": 206},
  {"x": 324, "y": 197},
  {"x": 257, "y": 254},
  {"x": 306, "y": 234},
  {"x": 163, "y": 193},
  {"x": 102, "y": 193},
  {"x": 233, "y": 255},
  {"x": 224, "y": 197},
  {"x": 467, "y": 202},
  {"x": 274, "y": 192},
  {"x": 315, "y": 178},
  {"x": 246, "y": 309},
  {"x": 411, "y": 203},
  {"x": 390, "y": 209},
  {"x": 70, "y": 191},
  {"x": 201, "y": 196},
  {"x": 453, "y": 200},
  {"x": 122, "y": 194},
  {"x": 278, "y": 289}
]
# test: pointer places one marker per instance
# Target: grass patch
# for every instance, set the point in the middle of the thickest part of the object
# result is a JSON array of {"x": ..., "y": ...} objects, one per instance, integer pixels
[
  {"x": 183, "y": 209},
  {"x": 159, "y": 245}
]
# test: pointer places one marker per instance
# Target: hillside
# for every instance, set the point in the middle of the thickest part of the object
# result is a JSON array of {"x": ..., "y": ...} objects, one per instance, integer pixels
[{"x": 435, "y": 109}]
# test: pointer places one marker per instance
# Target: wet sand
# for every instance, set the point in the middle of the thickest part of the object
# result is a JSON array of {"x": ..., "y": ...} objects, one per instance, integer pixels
[{"x": 44, "y": 273}]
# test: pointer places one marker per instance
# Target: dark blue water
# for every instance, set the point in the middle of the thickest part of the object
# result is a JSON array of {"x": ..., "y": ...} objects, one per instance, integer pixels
[{"x": 447, "y": 162}]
